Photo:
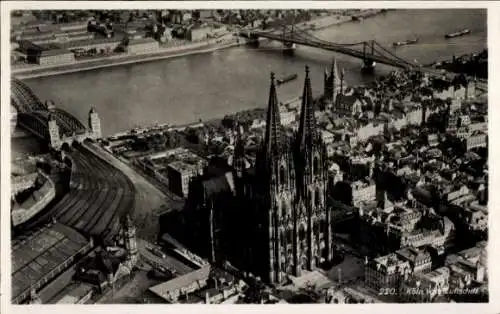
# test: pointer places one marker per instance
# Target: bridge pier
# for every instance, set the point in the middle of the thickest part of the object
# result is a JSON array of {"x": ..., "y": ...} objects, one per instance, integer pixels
[
  {"x": 253, "y": 41},
  {"x": 368, "y": 66},
  {"x": 289, "y": 47}
]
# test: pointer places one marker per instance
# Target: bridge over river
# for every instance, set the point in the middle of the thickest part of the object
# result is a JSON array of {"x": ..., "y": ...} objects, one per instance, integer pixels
[
  {"x": 49, "y": 123},
  {"x": 99, "y": 195},
  {"x": 370, "y": 52}
]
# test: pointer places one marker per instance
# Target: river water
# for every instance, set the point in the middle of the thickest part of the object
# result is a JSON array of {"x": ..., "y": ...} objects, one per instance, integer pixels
[{"x": 185, "y": 89}]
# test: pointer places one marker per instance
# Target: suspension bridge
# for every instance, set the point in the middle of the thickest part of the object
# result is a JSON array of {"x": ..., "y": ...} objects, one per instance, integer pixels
[{"x": 369, "y": 52}]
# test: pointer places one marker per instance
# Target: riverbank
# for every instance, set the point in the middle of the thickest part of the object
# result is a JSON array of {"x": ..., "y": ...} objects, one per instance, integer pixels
[
  {"x": 171, "y": 52},
  {"x": 106, "y": 62}
]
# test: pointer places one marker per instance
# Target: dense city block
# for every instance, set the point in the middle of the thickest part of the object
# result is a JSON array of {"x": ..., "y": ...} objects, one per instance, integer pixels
[{"x": 359, "y": 193}]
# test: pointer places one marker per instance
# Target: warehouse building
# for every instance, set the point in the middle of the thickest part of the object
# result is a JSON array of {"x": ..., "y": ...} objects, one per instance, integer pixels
[{"x": 143, "y": 45}]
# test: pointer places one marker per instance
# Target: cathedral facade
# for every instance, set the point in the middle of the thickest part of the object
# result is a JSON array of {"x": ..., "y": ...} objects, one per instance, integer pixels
[
  {"x": 295, "y": 225},
  {"x": 273, "y": 218}
]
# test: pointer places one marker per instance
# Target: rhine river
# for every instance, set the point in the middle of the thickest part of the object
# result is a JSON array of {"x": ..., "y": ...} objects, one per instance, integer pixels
[{"x": 186, "y": 89}]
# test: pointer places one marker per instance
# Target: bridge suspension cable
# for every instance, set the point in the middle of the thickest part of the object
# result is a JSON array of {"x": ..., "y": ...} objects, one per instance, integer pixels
[
  {"x": 315, "y": 38},
  {"x": 375, "y": 52},
  {"x": 383, "y": 51},
  {"x": 392, "y": 54}
]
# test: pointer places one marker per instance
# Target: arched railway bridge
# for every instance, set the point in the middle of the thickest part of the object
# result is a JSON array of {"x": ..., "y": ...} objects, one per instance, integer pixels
[
  {"x": 46, "y": 121},
  {"x": 100, "y": 195}
]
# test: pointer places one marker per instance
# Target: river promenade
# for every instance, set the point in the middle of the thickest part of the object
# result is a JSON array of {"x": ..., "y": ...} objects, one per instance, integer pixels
[
  {"x": 177, "y": 91},
  {"x": 208, "y": 46},
  {"x": 122, "y": 59}
]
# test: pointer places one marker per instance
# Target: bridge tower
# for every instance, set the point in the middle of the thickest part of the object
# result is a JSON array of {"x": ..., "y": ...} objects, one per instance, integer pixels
[
  {"x": 54, "y": 135},
  {"x": 288, "y": 44},
  {"x": 368, "y": 63},
  {"x": 94, "y": 124}
]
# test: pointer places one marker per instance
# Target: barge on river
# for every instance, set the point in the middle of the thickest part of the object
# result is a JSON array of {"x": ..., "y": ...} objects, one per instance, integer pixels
[
  {"x": 458, "y": 34},
  {"x": 286, "y": 79},
  {"x": 405, "y": 43}
]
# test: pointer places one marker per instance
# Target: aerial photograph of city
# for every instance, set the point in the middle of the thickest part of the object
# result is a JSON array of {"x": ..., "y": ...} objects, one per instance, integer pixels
[{"x": 249, "y": 156}]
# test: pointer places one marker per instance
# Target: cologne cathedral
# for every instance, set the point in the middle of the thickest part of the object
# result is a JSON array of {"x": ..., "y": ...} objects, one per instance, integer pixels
[{"x": 272, "y": 219}]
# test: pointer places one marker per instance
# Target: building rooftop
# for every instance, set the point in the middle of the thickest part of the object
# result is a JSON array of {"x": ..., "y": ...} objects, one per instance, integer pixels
[
  {"x": 80, "y": 24},
  {"x": 26, "y": 44},
  {"x": 359, "y": 293},
  {"x": 89, "y": 42},
  {"x": 438, "y": 273},
  {"x": 217, "y": 184},
  {"x": 470, "y": 253},
  {"x": 362, "y": 184},
  {"x": 463, "y": 267},
  {"x": 414, "y": 255},
  {"x": 73, "y": 293},
  {"x": 162, "y": 290},
  {"x": 35, "y": 256},
  {"x": 389, "y": 260},
  {"x": 475, "y": 206},
  {"x": 56, "y": 52},
  {"x": 182, "y": 166},
  {"x": 141, "y": 41}
]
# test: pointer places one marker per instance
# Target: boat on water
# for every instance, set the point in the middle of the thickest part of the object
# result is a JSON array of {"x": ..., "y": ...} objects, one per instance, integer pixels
[
  {"x": 286, "y": 79},
  {"x": 458, "y": 34},
  {"x": 405, "y": 43}
]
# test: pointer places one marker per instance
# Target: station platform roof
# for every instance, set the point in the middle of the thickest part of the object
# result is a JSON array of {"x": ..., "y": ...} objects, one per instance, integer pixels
[{"x": 36, "y": 255}]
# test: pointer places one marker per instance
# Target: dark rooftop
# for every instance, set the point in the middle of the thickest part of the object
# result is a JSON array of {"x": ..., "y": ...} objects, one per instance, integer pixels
[
  {"x": 56, "y": 52},
  {"x": 37, "y": 255},
  {"x": 141, "y": 41}
]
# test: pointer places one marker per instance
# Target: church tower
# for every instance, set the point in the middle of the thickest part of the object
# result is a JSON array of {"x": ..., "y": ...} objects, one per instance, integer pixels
[
  {"x": 339, "y": 105},
  {"x": 313, "y": 219},
  {"x": 275, "y": 190},
  {"x": 130, "y": 240},
  {"x": 54, "y": 135},
  {"x": 94, "y": 124},
  {"x": 332, "y": 82}
]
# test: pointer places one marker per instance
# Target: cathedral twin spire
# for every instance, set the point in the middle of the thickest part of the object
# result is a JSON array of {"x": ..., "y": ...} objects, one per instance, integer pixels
[
  {"x": 273, "y": 139},
  {"x": 307, "y": 125}
]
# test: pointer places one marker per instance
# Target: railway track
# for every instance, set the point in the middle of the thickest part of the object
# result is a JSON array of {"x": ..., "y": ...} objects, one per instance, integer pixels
[{"x": 98, "y": 199}]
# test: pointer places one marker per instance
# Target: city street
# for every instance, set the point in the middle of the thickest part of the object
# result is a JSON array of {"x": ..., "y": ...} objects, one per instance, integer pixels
[
  {"x": 132, "y": 292},
  {"x": 352, "y": 268},
  {"x": 169, "y": 262}
]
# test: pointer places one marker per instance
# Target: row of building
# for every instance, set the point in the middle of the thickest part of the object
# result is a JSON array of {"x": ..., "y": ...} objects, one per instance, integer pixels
[
  {"x": 67, "y": 53},
  {"x": 174, "y": 168},
  {"x": 51, "y": 44},
  {"x": 408, "y": 276},
  {"x": 408, "y": 226}
]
